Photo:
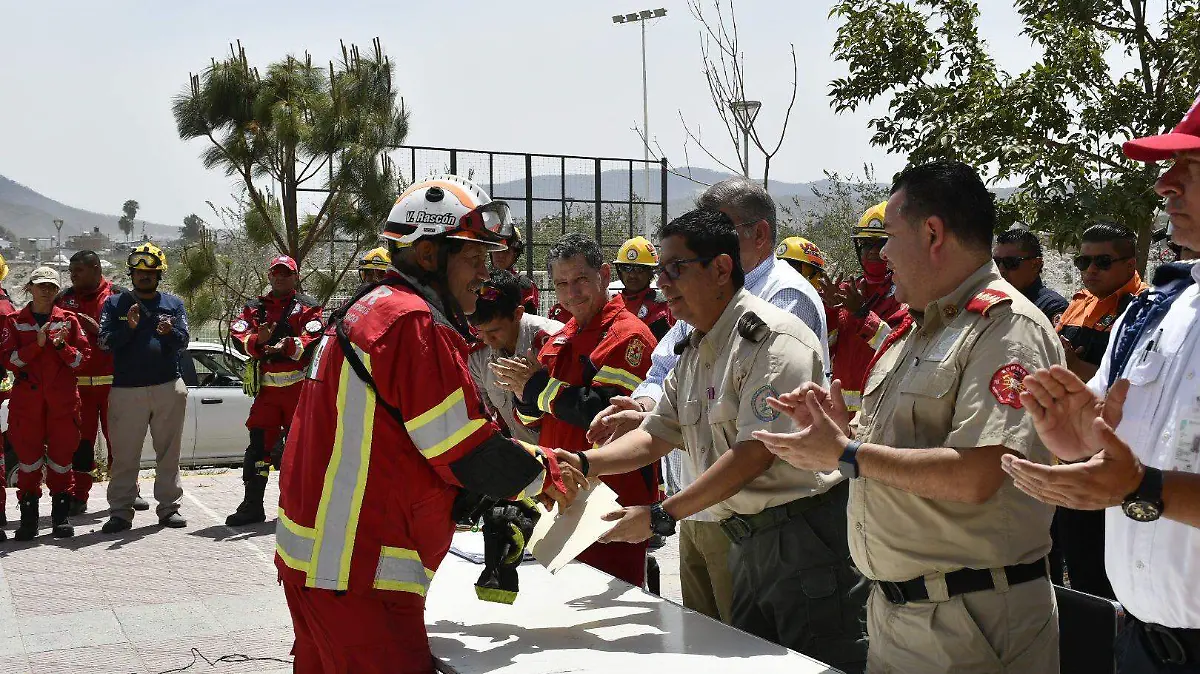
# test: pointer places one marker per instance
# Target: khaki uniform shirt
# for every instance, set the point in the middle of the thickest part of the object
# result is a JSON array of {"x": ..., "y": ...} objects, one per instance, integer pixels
[
  {"x": 497, "y": 399},
  {"x": 952, "y": 381},
  {"x": 717, "y": 396}
]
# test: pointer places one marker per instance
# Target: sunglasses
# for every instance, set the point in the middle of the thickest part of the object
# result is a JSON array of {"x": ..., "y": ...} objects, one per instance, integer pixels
[
  {"x": 672, "y": 269},
  {"x": 627, "y": 268},
  {"x": 1102, "y": 262},
  {"x": 1011, "y": 262}
]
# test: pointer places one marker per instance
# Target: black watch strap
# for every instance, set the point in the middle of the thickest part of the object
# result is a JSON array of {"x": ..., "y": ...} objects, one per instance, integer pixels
[
  {"x": 848, "y": 462},
  {"x": 584, "y": 465}
]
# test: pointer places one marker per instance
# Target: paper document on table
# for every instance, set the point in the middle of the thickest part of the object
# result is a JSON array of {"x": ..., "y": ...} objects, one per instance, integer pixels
[{"x": 559, "y": 537}]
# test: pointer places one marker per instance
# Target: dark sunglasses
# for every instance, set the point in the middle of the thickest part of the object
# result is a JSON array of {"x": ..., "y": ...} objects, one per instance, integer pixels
[
  {"x": 1103, "y": 262},
  {"x": 627, "y": 268},
  {"x": 671, "y": 269},
  {"x": 1011, "y": 262}
]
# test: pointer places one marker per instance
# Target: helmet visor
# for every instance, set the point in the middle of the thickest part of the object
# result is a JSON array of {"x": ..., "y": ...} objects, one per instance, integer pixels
[
  {"x": 143, "y": 260},
  {"x": 493, "y": 218}
]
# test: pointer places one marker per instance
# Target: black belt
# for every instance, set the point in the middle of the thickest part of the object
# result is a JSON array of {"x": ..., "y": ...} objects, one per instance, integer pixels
[
  {"x": 741, "y": 527},
  {"x": 1170, "y": 645},
  {"x": 962, "y": 582}
]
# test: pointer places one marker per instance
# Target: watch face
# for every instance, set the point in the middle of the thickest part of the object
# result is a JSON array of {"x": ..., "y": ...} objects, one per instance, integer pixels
[{"x": 1142, "y": 511}]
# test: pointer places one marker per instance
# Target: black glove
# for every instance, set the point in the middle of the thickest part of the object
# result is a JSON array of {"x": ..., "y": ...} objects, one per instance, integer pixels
[{"x": 506, "y": 529}]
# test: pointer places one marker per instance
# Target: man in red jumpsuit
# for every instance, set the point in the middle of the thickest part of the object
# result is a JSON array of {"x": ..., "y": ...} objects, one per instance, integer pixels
[
  {"x": 862, "y": 311},
  {"x": 602, "y": 352},
  {"x": 6, "y": 308},
  {"x": 45, "y": 346},
  {"x": 635, "y": 267},
  {"x": 276, "y": 330},
  {"x": 86, "y": 298},
  {"x": 507, "y": 260},
  {"x": 388, "y": 430}
]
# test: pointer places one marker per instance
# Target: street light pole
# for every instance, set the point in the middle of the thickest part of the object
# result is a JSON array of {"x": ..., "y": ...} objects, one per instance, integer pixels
[
  {"x": 745, "y": 112},
  {"x": 641, "y": 17}
]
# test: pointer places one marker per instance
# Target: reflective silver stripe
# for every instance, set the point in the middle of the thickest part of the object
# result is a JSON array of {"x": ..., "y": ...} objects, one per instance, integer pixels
[
  {"x": 546, "y": 399},
  {"x": 293, "y": 543},
  {"x": 27, "y": 327},
  {"x": 282, "y": 378},
  {"x": 401, "y": 569},
  {"x": 31, "y": 467},
  {"x": 616, "y": 377},
  {"x": 345, "y": 479},
  {"x": 78, "y": 360},
  {"x": 15, "y": 360},
  {"x": 442, "y": 426},
  {"x": 57, "y": 468}
]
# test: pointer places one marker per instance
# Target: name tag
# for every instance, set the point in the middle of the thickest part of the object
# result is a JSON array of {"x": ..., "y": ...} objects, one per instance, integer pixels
[{"x": 944, "y": 344}]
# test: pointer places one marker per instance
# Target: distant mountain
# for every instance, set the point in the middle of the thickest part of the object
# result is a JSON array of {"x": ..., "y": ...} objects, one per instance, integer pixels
[{"x": 27, "y": 213}]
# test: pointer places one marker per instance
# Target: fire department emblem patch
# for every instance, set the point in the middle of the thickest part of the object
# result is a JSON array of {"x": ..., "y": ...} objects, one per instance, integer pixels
[
  {"x": 643, "y": 311},
  {"x": 762, "y": 410},
  {"x": 780, "y": 250},
  {"x": 633, "y": 353},
  {"x": 1006, "y": 385},
  {"x": 631, "y": 255},
  {"x": 313, "y": 327},
  {"x": 239, "y": 326}
]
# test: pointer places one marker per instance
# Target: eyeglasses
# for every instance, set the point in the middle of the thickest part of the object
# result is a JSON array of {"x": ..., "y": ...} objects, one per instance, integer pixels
[
  {"x": 1011, "y": 262},
  {"x": 1103, "y": 262},
  {"x": 671, "y": 269},
  {"x": 143, "y": 261},
  {"x": 627, "y": 268}
]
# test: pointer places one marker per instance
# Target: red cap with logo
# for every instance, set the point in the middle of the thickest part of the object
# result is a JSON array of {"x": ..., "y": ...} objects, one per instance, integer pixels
[
  {"x": 1185, "y": 137},
  {"x": 285, "y": 261}
]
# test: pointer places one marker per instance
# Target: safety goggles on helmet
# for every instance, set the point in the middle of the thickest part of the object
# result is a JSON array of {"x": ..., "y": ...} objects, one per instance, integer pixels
[
  {"x": 493, "y": 218},
  {"x": 1102, "y": 262},
  {"x": 143, "y": 260}
]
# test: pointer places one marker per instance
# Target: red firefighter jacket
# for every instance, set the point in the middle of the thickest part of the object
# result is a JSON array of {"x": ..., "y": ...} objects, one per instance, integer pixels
[
  {"x": 44, "y": 369},
  {"x": 530, "y": 295},
  {"x": 558, "y": 313},
  {"x": 585, "y": 368},
  {"x": 6, "y": 305},
  {"x": 854, "y": 339},
  {"x": 650, "y": 306},
  {"x": 98, "y": 368},
  {"x": 365, "y": 500},
  {"x": 298, "y": 334}
]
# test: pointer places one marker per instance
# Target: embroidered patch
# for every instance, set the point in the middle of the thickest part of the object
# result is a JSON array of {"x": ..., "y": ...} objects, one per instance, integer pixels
[
  {"x": 631, "y": 254},
  {"x": 1106, "y": 322},
  {"x": 1006, "y": 384},
  {"x": 762, "y": 410},
  {"x": 633, "y": 352},
  {"x": 985, "y": 299},
  {"x": 313, "y": 327},
  {"x": 781, "y": 250},
  {"x": 643, "y": 311},
  {"x": 239, "y": 326}
]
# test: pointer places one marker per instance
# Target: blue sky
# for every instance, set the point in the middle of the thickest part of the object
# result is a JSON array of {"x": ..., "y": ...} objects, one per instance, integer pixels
[{"x": 87, "y": 85}]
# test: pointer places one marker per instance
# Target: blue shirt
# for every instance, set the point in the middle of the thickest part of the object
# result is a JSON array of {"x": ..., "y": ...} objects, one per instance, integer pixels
[
  {"x": 792, "y": 300},
  {"x": 141, "y": 356}
]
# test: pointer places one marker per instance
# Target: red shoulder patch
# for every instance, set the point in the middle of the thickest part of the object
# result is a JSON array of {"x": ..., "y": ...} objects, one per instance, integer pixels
[
  {"x": 1006, "y": 384},
  {"x": 985, "y": 299},
  {"x": 539, "y": 340}
]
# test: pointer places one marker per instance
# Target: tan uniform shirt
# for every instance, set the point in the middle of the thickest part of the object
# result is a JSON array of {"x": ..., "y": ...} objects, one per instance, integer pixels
[
  {"x": 952, "y": 381},
  {"x": 717, "y": 396},
  {"x": 497, "y": 399}
]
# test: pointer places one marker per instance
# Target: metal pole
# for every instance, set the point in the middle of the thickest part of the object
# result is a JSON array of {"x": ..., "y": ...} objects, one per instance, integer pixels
[
  {"x": 746, "y": 152},
  {"x": 646, "y": 140}
]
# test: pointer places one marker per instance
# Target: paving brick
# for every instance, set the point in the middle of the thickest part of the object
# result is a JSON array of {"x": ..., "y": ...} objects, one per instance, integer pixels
[{"x": 109, "y": 659}]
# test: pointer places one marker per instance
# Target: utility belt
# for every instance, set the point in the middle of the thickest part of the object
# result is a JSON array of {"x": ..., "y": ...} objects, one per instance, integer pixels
[
  {"x": 1170, "y": 645},
  {"x": 742, "y": 527},
  {"x": 101, "y": 380},
  {"x": 963, "y": 581}
]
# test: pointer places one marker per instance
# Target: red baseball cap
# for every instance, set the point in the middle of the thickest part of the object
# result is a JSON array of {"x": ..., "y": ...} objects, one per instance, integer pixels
[
  {"x": 285, "y": 261},
  {"x": 1185, "y": 137}
]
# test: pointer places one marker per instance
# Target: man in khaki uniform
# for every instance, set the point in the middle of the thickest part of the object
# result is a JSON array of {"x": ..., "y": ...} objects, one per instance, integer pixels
[
  {"x": 792, "y": 578},
  {"x": 957, "y": 552}
]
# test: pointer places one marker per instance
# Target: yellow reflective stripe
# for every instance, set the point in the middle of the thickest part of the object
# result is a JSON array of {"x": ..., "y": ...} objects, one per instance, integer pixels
[
  {"x": 617, "y": 377},
  {"x": 525, "y": 419},
  {"x": 443, "y": 426},
  {"x": 546, "y": 399},
  {"x": 880, "y": 335},
  {"x": 102, "y": 380},
  {"x": 294, "y": 543},
  {"x": 853, "y": 400},
  {"x": 401, "y": 569},
  {"x": 345, "y": 480},
  {"x": 282, "y": 378}
]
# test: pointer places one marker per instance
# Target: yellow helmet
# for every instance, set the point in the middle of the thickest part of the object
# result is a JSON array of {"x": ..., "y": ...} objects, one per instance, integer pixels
[
  {"x": 376, "y": 258},
  {"x": 870, "y": 225},
  {"x": 3, "y": 268},
  {"x": 147, "y": 256},
  {"x": 637, "y": 250},
  {"x": 800, "y": 249}
]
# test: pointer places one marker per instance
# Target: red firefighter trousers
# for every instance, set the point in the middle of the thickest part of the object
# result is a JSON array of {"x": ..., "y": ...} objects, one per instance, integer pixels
[
  {"x": 355, "y": 634},
  {"x": 272, "y": 412},
  {"x": 43, "y": 432},
  {"x": 3, "y": 467},
  {"x": 93, "y": 417}
]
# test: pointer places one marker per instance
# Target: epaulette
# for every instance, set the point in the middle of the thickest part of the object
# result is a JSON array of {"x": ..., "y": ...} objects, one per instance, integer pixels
[
  {"x": 307, "y": 300},
  {"x": 751, "y": 327},
  {"x": 985, "y": 299}
]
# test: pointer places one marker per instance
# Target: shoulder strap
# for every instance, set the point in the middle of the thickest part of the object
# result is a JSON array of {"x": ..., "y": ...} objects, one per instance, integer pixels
[{"x": 356, "y": 364}]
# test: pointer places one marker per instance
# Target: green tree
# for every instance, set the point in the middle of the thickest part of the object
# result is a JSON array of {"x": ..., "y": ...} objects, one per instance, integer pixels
[
  {"x": 301, "y": 128},
  {"x": 129, "y": 210},
  {"x": 1104, "y": 71},
  {"x": 193, "y": 228},
  {"x": 829, "y": 218}
]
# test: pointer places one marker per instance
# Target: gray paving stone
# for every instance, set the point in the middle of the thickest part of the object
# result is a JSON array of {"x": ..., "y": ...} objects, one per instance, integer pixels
[
  {"x": 14, "y": 664},
  {"x": 151, "y": 624},
  {"x": 237, "y": 613},
  {"x": 11, "y": 646},
  {"x": 110, "y": 659},
  {"x": 73, "y": 630}
]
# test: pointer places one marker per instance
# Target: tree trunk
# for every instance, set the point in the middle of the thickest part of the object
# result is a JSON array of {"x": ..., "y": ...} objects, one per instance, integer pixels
[{"x": 1144, "y": 227}]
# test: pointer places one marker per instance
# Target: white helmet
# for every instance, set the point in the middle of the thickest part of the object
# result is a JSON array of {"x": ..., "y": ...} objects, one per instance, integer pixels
[{"x": 451, "y": 207}]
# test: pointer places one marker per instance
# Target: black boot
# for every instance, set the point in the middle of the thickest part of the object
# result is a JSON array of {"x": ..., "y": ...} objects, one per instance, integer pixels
[
  {"x": 60, "y": 507},
  {"x": 29, "y": 520},
  {"x": 250, "y": 511}
]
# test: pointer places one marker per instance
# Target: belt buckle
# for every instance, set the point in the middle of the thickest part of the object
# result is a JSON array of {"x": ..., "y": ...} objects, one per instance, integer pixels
[
  {"x": 1165, "y": 646},
  {"x": 736, "y": 528},
  {"x": 893, "y": 592}
]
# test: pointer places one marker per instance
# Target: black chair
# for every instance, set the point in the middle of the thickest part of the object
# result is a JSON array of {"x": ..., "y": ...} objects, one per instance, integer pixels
[{"x": 1087, "y": 629}]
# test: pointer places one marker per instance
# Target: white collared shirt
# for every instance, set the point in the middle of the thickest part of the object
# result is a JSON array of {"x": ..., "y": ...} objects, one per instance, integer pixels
[{"x": 1154, "y": 567}]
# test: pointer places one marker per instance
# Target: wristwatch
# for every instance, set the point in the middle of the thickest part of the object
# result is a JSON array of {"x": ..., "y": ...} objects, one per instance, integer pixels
[
  {"x": 661, "y": 521},
  {"x": 848, "y": 462},
  {"x": 1146, "y": 504}
]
